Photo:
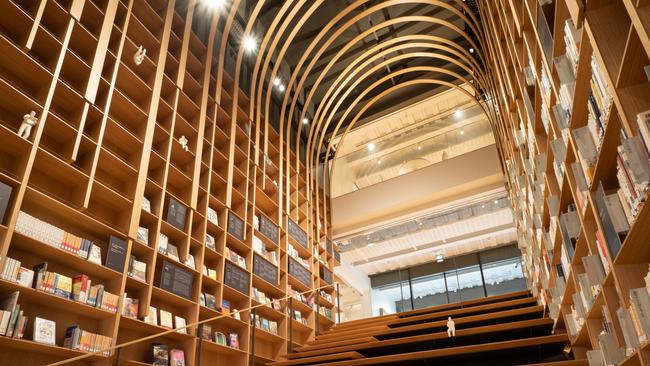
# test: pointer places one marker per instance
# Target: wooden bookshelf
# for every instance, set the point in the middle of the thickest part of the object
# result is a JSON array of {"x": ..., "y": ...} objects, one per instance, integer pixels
[
  {"x": 107, "y": 138},
  {"x": 525, "y": 40}
]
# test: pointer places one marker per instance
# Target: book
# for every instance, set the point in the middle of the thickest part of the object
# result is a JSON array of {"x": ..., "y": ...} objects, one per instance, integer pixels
[
  {"x": 160, "y": 354},
  {"x": 152, "y": 316},
  {"x": 80, "y": 286},
  {"x": 176, "y": 358},
  {"x": 143, "y": 235},
  {"x": 44, "y": 331},
  {"x": 25, "y": 276},
  {"x": 205, "y": 331},
  {"x": 627, "y": 327},
  {"x": 211, "y": 301},
  {"x": 176, "y": 213},
  {"x": 209, "y": 242},
  {"x": 130, "y": 307},
  {"x": 116, "y": 255},
  {"x": 233, "y": 340},
  {"x": 63, "y": 286},
  {"x": 172, "y": 252},
  {"x": 5, "y": 197},
  {"x": 163, "y": 241},
  {"x": 166, "y": 320},
  {"x": 213, "y": 217},
  {"x": 220, "y": 338},
  {"x": 273, "y": 327},
  {"x": 7, "y": 307},
  {"x": 189, "y": 261},
  {"x": 138, "y": 269},
  {"x": 640, "y": 310},
  {"x": 179, "y": 322},
  {"x": 95, "y": 254},
  {"x": 225, "y": 307},
  {"x": 146, "y": 204}
]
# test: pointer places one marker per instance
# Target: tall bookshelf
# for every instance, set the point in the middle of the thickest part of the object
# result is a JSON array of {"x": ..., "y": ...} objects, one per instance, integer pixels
[
  {"x": 107, "y": 138},
  {"x": 570, "y": 84}
]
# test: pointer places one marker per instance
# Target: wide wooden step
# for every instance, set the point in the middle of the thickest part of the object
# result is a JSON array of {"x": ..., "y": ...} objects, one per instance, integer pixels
[
  {"x": 337, "y": 357},
  {"x": 434, "y": 309},
  {"x": 457, "y": 315},
  {"x": 324, "y": 344},
  {"x": 542, "y": 326},
  {"x": 561, "y": 363},
  {"x": 485, "y": 352}
]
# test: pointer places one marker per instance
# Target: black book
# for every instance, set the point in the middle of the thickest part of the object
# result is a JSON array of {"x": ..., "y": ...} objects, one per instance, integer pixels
[
  {"x": 116, "y": 256},
  {"x": 176, "y": 212},
  {"x": 176, "y": 280},
  {"x": 160, "y": 354},
  {"x": 5, "y": 197},
  {"x": 39, "y": 275}
]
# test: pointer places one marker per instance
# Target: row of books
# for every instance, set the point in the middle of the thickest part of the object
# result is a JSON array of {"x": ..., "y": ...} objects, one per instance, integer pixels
[
  {"x": 209, "y": 272},
  {"x": 165, "y": 319},
  {"x": 260, "y": 248},
  {"x": 49, "y": 234},
  {"x": 13, "y": 321},
  {"x": 635, "y": 319},
  {"x": 83, "y": 340},
  {"x": 78, "y": 288},
  {"x": 130, "y": 307},
  {"x": 232, "y": 256},
  {"x": 213, "y": 217},
  {"x": 599, "y": 102},
  {"x": 305, "y": 299},
  {"x": 266, "y": 324},
  {"x": 209, "y": 301},
  {"x": 163, "y": 356},
  {"x": 261, "y": 297},
  {"x": 297, "y": 316},
  {"x": 293, "y": 253},
  {"x": 231, "y": 339}
]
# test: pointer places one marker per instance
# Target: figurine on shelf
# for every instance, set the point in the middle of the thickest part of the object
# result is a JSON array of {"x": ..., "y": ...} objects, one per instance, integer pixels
[
  {"x": 29, "y": 121},
  {"x": 183, "y": 141},
  {"x": 451, "y": 327},
  {"x": 139, "y": 55}
]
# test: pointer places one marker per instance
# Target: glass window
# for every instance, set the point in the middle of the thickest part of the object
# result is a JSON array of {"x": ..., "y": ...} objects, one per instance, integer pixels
[
  {"x": 452, "y": 286},
  {"x": 504, "y": 276},
  {"x": 392, "y": 297},
  {"x": 429, "y": 291},
  {"x": 470, "y": 283}
]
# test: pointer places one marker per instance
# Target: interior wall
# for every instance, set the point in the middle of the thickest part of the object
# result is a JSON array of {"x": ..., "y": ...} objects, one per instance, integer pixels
[{"x": 417, "y": 191}]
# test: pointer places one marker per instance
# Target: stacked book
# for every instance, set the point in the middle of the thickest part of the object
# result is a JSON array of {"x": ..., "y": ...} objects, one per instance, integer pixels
[
  {"x": 572, "y": 41},
  {"x": 137, "y": 269},
  {"x": 545, "y": 85},
  {"x": 293, "y": 253},
  {"x": 265, "y": 324},
  {"x": 51, "y": 235},
  {"x": 13, "y": 321},
  {"x": 235, "y": 258}
]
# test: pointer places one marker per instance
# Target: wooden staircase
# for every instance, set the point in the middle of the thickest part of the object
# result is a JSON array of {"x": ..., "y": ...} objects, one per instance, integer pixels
[{"x": 509, "y": 329}]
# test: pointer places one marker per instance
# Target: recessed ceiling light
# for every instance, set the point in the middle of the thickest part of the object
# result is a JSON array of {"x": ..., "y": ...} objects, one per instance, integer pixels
[
  {"x": 371, "y": 146},
  {"x": 462, "y": 132},
  {"x": 483, "y": 206},
  {"x": 281, "y": 87},
  {"x": 496, "y": 201},
  {"x": 378, "y": 162},
  {"x": 250, "y": 43},
  {"x": 277, "y": 81},
  {"x": 419, "y": 147},
  {"x": 471, "y": 50},
  {"x": 439, "y": 258},
  {"x": 305, "y": 121},
  {"x": 458, "y": 113}
]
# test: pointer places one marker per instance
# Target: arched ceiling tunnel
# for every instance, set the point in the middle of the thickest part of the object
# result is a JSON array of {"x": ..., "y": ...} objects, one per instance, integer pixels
[{"x": 337, "y": 61}]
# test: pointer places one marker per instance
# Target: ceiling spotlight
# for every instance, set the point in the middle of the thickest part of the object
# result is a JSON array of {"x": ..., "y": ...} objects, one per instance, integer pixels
[
  {"x": 458, "y": 113},
  {"x": 439, "y": 258},
  {"x": 281, "y": 87},
  {"x": 371, "y": 244},
  {"x": 378, "y": 162},
  {"x": 483, "y": 205},
  {"x": 419, "y": 147},
  {"x": 471, "y": 50},
  {"x": 277, "y": 81},
  {"x": 496, "y": 201},
  {"x": 305, "y": 121},
  {"x": 249, "y": 43},
  {"x": 371, "y": 146},
  {"x": 462, "y": 132},
  {"x": 420, "y": 223},
  {"x": 215, "y": 3}
]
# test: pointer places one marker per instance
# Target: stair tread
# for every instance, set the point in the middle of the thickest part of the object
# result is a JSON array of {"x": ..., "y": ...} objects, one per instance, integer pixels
[
  {"x": 445, "y": 352},
  {"x": 326, "y": 358},
  {"x": 583, "y": 362},
  {"x": 424, "y": 337},
  {"x": 311, "y": 345}
]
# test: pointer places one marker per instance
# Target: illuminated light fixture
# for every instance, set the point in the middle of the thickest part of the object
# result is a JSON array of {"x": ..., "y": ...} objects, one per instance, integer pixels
[
  {"x": 440, "y": 258},
  {"x": 249, "y": 43},
  {"x": 371, "y": 146},
  {"x": 471, "y": 50},
  {"x": 371, "y": 245},
  {"x": 419, "y": 147},
  {"x": 281, "y": 88},
  {"x": 458, "y": 113},
  {"x": 215, "y": 3},
  {"x": 378, "y": 162},
  {"x": 462, "y": 132},
  {"x": 483, "y": 206},
  {"x": 420, "y": 223},
  {"x": 277, "y": 81},
  {"x": 496, "y": 201},
  {"x": 305, "y": 121}
]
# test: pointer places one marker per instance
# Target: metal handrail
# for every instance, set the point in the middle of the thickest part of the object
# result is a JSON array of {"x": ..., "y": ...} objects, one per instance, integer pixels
[{"x": 118, "y": 347}]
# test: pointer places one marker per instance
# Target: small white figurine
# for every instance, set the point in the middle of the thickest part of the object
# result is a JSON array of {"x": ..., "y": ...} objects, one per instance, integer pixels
[
  {"x": 451, "y": 328},
  {"x": 139, "y": 56},
  {"x": 29, "y": 121},
  {"x": 183, "y": 141}
]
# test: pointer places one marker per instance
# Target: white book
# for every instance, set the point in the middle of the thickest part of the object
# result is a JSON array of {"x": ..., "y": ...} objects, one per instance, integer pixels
[
  {"x": 594, "y": 268},
  {"x": 585, "y": 291},
  {"x": 586, "y": 146},
  {"x": 595, "y": 358},
  {"x": 178, "y": 323},
  {"x": 636, "y": 160},
  {"x": 44, "y": 331},
  {"x": 627, "y": 327},
  {"x": 612, "y": 353},
  {"x": 640, "y": 305},
  {"x": 616, "y": 213}
]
